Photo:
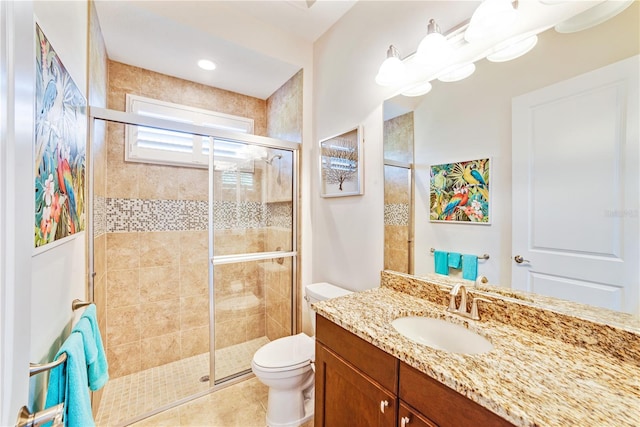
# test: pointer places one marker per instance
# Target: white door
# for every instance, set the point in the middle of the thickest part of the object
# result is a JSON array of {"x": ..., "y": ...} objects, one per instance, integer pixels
[
  {"x": 16, "y": 206},
  {"x": 575, "y": 189}
]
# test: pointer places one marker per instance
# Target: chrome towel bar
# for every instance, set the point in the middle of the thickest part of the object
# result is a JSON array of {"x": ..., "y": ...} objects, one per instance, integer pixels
[
  {"x": 36, "y": 368},
  {"x": 485, "y": 256},
  {"x": 55, "y": 413}
]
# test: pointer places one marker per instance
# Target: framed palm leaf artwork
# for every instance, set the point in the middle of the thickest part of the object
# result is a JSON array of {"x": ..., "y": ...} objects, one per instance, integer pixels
[
  {"x": 60, "y": 149},
  {"x": 459, "y": 192}
]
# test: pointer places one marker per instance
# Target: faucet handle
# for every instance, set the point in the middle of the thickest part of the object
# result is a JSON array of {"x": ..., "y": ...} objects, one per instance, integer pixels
[
  {"x": 474, "y": 307},
  {"x": 452, "y": 299}
]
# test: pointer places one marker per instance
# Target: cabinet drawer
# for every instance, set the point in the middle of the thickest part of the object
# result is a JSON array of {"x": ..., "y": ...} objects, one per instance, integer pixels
[
  {"x": 407, "y": 417},
  {"x": 439, "y": 403},
  {"x": 380, "y": 366}
]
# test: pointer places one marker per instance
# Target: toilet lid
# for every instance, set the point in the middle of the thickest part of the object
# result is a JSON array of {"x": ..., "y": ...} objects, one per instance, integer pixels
[{"x": 286, "y": 352}]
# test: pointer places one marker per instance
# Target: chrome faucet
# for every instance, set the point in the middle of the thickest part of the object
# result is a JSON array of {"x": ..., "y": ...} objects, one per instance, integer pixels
[{"x": 462, "y": 308}]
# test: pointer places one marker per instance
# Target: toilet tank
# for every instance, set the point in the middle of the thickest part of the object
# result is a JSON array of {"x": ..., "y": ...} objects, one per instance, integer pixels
[{"x": 320, "y": 292}]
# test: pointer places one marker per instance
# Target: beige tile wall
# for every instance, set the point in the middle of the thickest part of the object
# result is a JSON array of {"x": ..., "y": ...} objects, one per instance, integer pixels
[
  {"x": 398, "y": 146},
  {"x": 284, "y": 110},
  {"x": 156, "y": 283},
  {"x": 284, "y": 121},
  {"x": 396, "y": 231}
]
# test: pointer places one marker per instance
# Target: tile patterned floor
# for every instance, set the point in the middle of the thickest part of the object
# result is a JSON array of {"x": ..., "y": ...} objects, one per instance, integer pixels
[
  {"x": 131, "y": 396},
  {"x": 240, "y": 405}
]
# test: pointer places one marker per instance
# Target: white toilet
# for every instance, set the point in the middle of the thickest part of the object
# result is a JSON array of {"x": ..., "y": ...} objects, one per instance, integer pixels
[{"x": 285, "y": 365}]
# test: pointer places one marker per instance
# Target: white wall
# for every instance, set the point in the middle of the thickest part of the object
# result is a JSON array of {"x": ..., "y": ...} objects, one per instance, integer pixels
[
  {"x": 455, "y": 122},
  {"x": 471, "y": 119},
  {"x": 59, "y": 274}
]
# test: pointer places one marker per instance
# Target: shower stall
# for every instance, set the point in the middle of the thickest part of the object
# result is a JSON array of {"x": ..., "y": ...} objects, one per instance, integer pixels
[{"x": 193, "y": 268}]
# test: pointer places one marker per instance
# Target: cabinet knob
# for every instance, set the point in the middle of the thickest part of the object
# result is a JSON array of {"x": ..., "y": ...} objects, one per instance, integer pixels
[
  {"x": 404, "y": 421},
  {"x": 383, "y": 404}
]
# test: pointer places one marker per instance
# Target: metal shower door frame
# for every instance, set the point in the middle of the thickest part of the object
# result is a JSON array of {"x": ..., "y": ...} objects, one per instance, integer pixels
[{"x": 107, "y": 115}]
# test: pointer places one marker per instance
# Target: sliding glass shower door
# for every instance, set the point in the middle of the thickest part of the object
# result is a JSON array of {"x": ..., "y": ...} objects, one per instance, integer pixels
[{"x": 252, "y": 233}]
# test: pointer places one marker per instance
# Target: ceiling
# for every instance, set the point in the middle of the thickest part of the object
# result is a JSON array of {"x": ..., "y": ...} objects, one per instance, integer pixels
[{"x": 169, "y": 37}]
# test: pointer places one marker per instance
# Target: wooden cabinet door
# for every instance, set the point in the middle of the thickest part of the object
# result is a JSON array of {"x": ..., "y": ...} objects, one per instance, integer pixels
[
  {"x": 443, "y": 405},
  {"x": 408, "y": 417},
  {"x": 346, "y": 397}
]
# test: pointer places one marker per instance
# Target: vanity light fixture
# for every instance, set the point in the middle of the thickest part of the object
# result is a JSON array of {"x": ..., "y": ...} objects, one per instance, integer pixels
[
  {"x": 393, "y": 70},
  {"x": 457, "y": 73},
  {"x": 418, "y": 89},
  {"x": 205, "y": 64},
  {"x": 513, "y": 48},
  {"x": 498, "y": 30},
  {"x": 434, "y": 49},
  {"x": 594, "y": 16},
  {"x": 491, "y": 18}
]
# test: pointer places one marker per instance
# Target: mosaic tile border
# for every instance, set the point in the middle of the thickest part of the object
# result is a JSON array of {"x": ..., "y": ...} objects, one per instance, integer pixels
[
  {"x": 396, "y": 214},
  {"x": 131, "y": 215},
  {"x": 99, "y": 215}
]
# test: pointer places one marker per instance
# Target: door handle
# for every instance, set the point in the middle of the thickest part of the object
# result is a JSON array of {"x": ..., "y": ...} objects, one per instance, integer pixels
[
  {"x": 383, "y": 404},
  {"x": 404, "y": 421},
  {"x": 520, "y": 260}
]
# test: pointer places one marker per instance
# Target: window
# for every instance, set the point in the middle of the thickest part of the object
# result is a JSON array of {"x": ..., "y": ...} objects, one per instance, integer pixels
[{"x": 149, "y": 145}]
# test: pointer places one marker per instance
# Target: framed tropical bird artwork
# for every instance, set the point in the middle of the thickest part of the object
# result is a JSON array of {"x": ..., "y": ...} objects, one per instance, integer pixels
[
  {"x": 460, "y": 192},
  {"x": 60, "y": 149}
]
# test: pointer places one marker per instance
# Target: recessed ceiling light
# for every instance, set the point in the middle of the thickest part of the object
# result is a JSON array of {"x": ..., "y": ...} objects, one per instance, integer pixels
[{"x": 205, "y": 64}]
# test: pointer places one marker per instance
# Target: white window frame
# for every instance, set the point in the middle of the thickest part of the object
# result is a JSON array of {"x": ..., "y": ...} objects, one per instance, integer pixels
[{"x": 194, "y": 153}]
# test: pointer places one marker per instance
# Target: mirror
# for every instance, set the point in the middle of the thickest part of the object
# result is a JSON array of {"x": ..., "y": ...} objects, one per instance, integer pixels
[{"x": 488, "y": 129}]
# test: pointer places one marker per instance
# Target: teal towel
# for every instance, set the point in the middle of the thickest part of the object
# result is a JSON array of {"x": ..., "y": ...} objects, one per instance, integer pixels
[
  {"x": 454, "y": 259},
  {"x": 469, "y": 267},
  {"x": 441, "y": 260},
  {"x": 68, "y": 384},
  {"x": 98, "y": 369}
]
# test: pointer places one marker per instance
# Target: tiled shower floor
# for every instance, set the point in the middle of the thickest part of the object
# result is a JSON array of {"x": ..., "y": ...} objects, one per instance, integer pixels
[{"x": 131, "y": 396}]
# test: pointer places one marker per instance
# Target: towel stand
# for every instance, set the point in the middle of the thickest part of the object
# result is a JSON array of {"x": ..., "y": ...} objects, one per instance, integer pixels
[
  {"x": 485, "y": 256},
  {"x": 54, "y": 413}
]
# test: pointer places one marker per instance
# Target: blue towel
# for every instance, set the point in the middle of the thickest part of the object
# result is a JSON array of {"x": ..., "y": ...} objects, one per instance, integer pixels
[
  {"x": 68, "y": 384},
  {"x": 454, "y": 259},
  {"x": 469, "y": 267},
  {"x": 441, "y": 260},
  {"x": 98, "y": 369}
]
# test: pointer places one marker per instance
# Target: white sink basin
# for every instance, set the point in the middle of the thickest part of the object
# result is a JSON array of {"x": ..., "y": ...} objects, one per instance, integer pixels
[{"x": 442, "y": 335}]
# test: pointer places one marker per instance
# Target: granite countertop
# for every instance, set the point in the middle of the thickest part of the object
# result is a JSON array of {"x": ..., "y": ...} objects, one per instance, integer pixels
[{"x": 528, "y": 378}]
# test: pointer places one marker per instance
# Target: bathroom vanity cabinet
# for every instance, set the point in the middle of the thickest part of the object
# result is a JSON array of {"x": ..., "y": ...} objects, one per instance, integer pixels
[{"x": 357, "y": 384}]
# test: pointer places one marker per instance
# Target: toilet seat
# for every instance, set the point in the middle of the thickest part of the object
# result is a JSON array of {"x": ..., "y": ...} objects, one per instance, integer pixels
[{"x": 285, "y": 353}]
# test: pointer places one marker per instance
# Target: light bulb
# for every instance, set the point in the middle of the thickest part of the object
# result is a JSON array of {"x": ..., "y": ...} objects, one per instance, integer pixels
[
  {"x": 434, "y": 48},
  {"x": 491, "y": 18},
  {"x": 393, "y": 70}
]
